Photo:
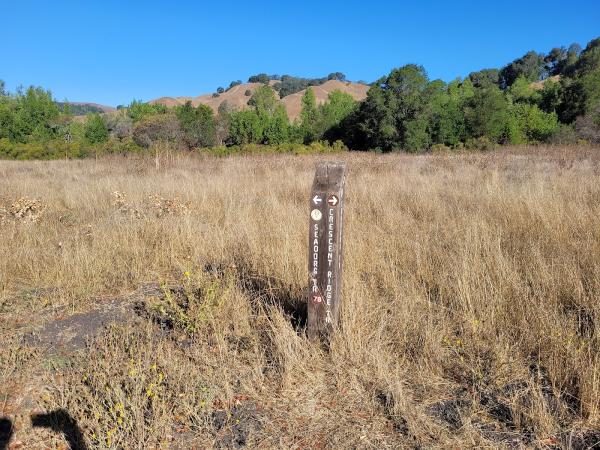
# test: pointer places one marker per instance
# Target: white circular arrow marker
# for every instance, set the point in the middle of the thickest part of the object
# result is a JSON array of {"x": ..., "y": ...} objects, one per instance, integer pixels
[
  {"x": 316, "y": 214},
  {"x": 332, "y": 200}
]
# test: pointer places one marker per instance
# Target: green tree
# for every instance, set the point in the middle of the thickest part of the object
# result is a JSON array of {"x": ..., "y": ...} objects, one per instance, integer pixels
[
  {"x": 550, "y": 96},
  {"x": 572, "y": 56},
  {"x": 521, "y": 91},
  {"x": 485, "y": 78},
  {"x": 206, "y": 128},
  {"x": 245, "y": 127},
  {"x": 528, "y": 124},
  {"x": 416, "y": 135},
  {"x": 157, "y": 128},
  {"x": 337, "y": 108},
  {"x": 338, "y": 105},
  {"x": 555, "y": 61},
  {"x": 336, "y": 76},
  {"x": 530, "y": 66},
  {"x": 392, "y": 114},
  {"x": 198, "y": 125},
  {"x": 264, "y": 100},
  {"x": 461, "y": 91},
  {"x": 96, "y": 130},
  {"x": 265, "y": 123},
  {"x": 186, "y": 114},
  {"x": 579, "y": 96},
  {"x": 277, "y": 127},
  {"x": 138, "y": 110},
  {"x": 222, "y": 122},
  {"x": 444, "y": 112},
  {"x": 7, "y": 121},
  {"x": 290, "y": 85},
  {"x": 581, "y": 89},
  {"x": 588, "y": 61},
  {"x": 260, "y": 78},
  {"x": 35, "y": 115},
  {"x": 309, "y": 115},
  {"x": 486, "y": 114}
]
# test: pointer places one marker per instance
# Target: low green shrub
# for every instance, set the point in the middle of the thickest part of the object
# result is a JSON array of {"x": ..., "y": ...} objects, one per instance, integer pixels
[
  {"x": 481, "y": 143},
  {"x": 60, "y": 149},
  {"x": 118, "y": 147},
  {"x": 288, "y": 147},
  {"x": 54, "y": 149}
]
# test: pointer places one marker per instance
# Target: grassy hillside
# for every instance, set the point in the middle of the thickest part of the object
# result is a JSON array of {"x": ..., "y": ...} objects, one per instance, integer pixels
[{"x": 238, "y": 96}]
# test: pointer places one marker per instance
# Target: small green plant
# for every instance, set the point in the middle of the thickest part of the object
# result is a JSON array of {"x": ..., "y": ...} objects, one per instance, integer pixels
[{"x": 196, "y": 304}]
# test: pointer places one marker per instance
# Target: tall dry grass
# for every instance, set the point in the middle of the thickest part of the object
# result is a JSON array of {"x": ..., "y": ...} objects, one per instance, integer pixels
[{"x": 471, "y": 313}]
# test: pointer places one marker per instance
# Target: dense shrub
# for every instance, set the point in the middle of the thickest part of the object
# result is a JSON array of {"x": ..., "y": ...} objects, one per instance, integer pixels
[
  {"x": 260, "y": 78},
  {"x": 481, "y": 143},
  {"x": 117, "y": 147},
  {"x": 198, "y": 125},
  {"x": 245, "y": 127},
  {"x": 290, "y": 85},
  {"x": 119, "y": 125},
  {"x": 138, "y": 110},
  {"x": 158, "y": 128},
  {"x": 95, "y": 129},
  {"x": 316, "y": 147},
  {"x": 55, "y": 149},
  {"x": 564, "y": 135},
  {"x": 529, "y": 124}
]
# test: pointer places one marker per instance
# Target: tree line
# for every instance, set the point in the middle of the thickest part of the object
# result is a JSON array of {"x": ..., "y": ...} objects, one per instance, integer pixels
[{"x": 552, "y": 97}]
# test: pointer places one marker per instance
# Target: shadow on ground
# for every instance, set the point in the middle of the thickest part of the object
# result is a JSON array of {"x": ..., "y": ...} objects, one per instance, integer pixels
[
  {"x": 270, "y": 290},
  {"x": 6, "y": 430},
  {"x": 60, "y": 421}
]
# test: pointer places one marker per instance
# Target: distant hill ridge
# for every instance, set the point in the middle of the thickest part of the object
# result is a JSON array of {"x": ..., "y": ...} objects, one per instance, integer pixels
[
  {"x": 83, "y": 108},
  {"x": 237, "y": 96}
]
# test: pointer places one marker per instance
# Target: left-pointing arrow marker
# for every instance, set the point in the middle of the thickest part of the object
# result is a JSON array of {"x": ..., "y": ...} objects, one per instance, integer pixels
[{"x": 317, "y": 200}]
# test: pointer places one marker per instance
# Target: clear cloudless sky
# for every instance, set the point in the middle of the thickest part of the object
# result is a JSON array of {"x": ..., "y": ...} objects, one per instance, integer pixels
[{"x": 111, "y": 52}]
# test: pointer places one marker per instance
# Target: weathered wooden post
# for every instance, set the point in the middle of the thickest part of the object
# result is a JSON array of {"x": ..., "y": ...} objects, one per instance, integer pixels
[{"x": 325, "y": 248}]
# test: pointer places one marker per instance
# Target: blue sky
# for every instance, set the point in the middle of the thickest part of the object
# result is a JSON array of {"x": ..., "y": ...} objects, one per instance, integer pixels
[{"x": 112, "y": 52}]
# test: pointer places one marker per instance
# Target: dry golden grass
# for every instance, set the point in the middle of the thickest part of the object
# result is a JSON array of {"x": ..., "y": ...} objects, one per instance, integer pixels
[{"x": 471, "y": 313}]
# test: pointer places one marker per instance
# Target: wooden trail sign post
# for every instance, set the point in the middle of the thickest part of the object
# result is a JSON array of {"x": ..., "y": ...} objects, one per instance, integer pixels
[{"x": 325, "y": 247}]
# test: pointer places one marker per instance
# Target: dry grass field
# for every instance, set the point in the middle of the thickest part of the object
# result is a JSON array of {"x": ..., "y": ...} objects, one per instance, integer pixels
[{"x": 145, "y": 307}]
